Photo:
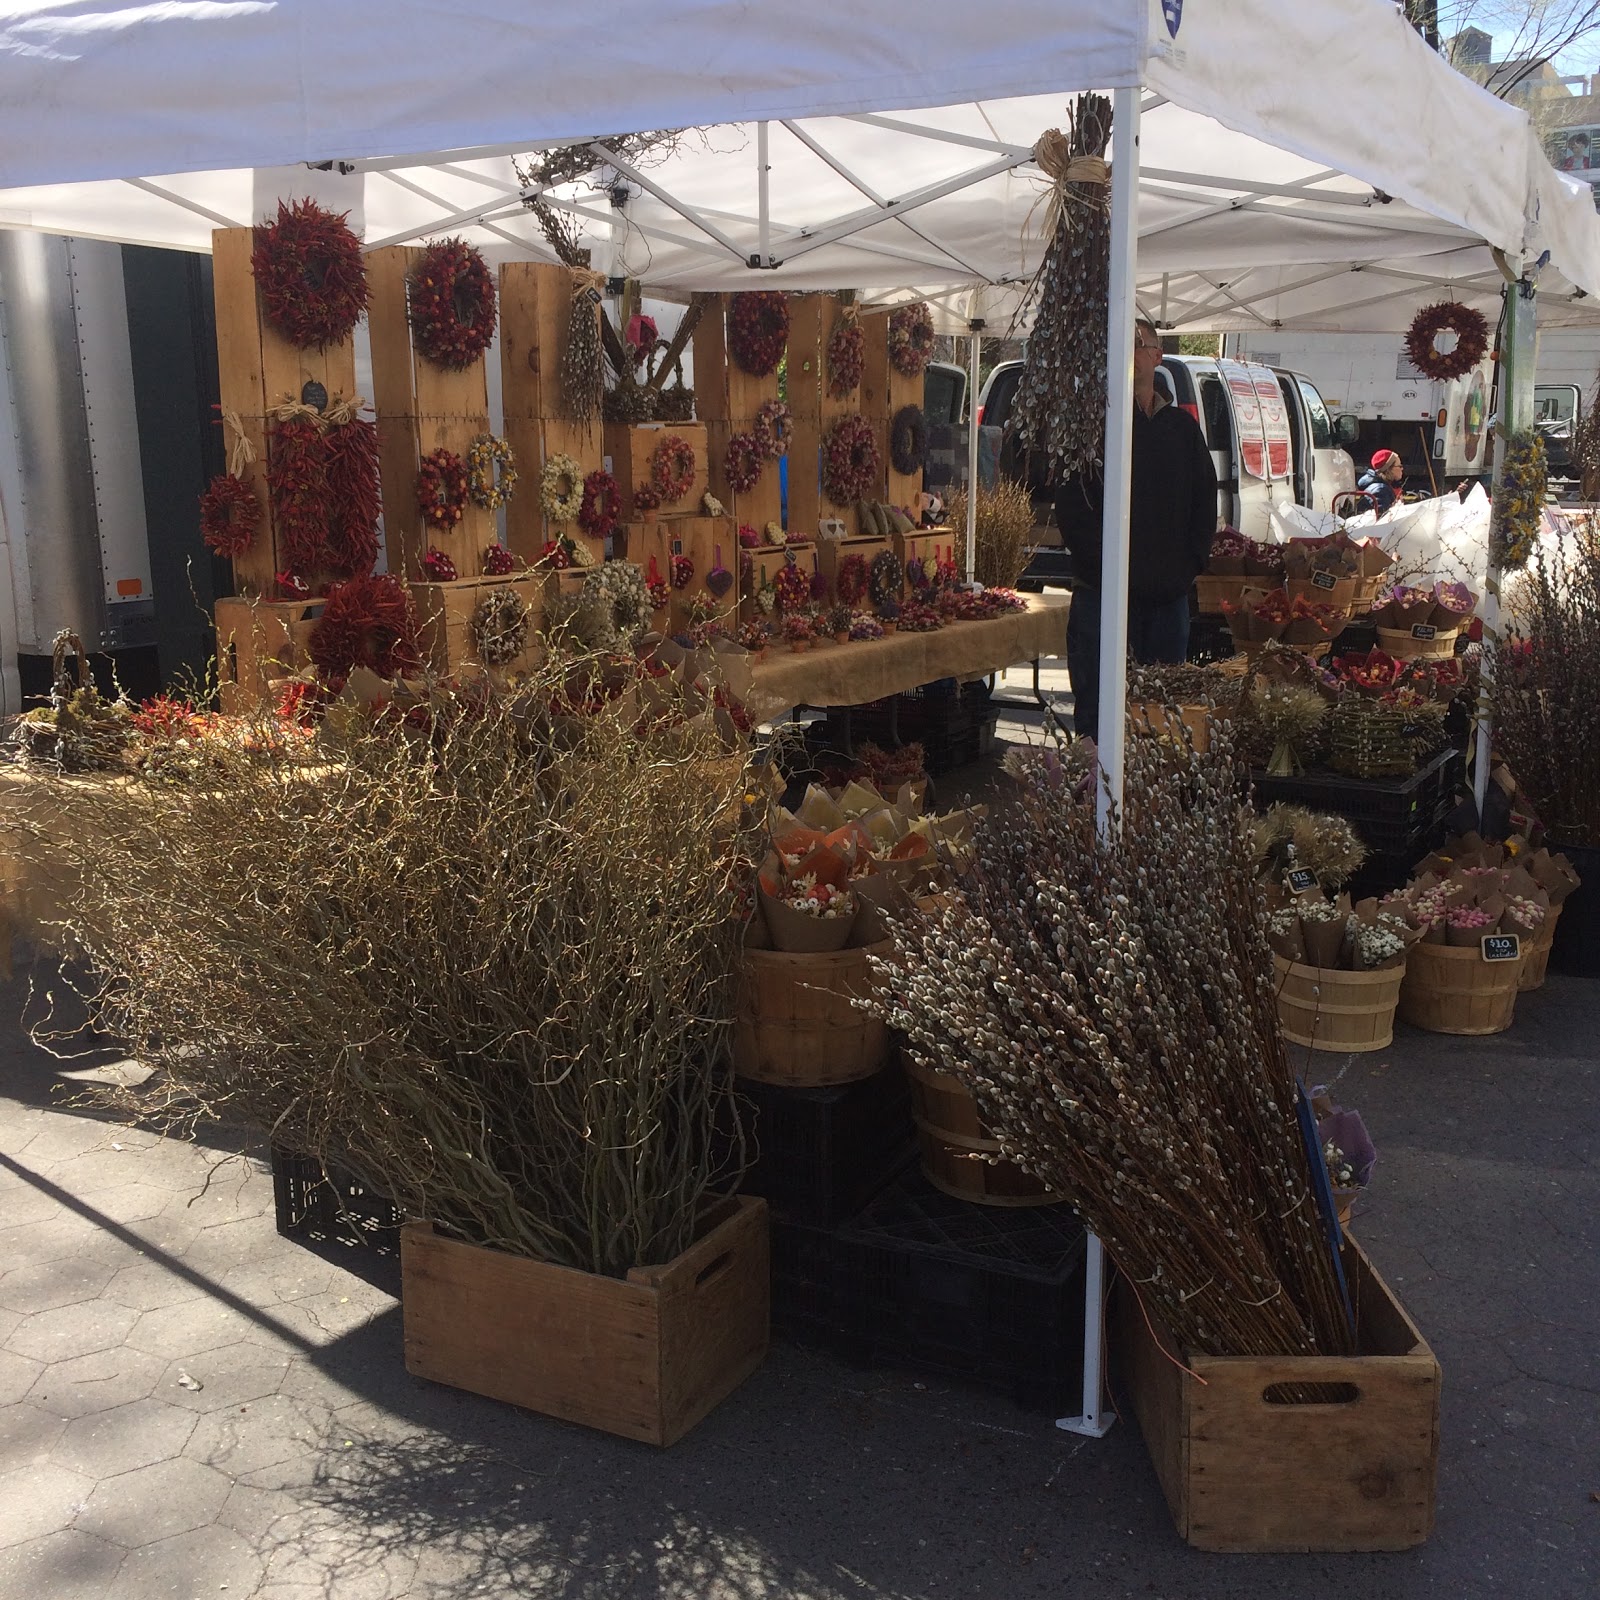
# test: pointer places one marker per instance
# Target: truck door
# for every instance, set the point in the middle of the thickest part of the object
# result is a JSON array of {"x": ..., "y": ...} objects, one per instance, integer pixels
[
  {"x": 1261, "y": 426},
  {"x": 1299, "y": 444},
  {"x": 1216, "y": 417}
]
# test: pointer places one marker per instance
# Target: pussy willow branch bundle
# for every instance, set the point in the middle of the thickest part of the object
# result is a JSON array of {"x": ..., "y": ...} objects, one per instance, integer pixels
[
  {"x": 1110, "y": 1003},
  {"x": 490, "y": 970},
  {"x": 1547, "y": 686}
]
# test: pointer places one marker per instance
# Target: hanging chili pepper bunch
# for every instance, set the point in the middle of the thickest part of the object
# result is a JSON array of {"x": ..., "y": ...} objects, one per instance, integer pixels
[
  {"x": 442, "y": 489},
  {"x": 758, "y": 331},
  {"x": 350, "y": 444},
  {"x": 452, "y": 304},
  {"x": 230, "y": 514},
  {"x": 1060, "y": 407},
  {"x": 310, "y": 274}
]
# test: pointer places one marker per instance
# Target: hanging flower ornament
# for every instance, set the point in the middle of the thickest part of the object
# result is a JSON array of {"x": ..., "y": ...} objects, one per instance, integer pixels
[
  {"x": 646, "y": 498},
  {"x": 911, "y": 339},
  {"x": 491, "y": 472},
  {"x": 310, "y": 275},
  {"x": 602, "y": 505},
  {"x": 850, "y": 582},
  {"x": 682, "y": 571},
  {"x": 793, "y": 587},
  {"x": 500, "y": 626},
  {"x": 847, "y": 355},
  {"x": 498, "y": 561},
  {"x": 758, "y": 331},
  {"x": 451, "y": 293},
  {"x": 1517, "y": 513},
  {"x": 774, "y": 429},
  {"x": 230, "y": 514},
  {"x": 672, "y": 467},
  {"x": 741, "y": 462},
  {"x": 1448, "y": 316},
  {"x": 442, "y": 489},
  {"x": 561, "y": 488},
  {"x": 439, "y": 567},
  {"x": 850, "y": 461},
  {"x": 908, "y": 440},
  {"x": 657, "y": 589},
  {"x": 886, "y": 577}
]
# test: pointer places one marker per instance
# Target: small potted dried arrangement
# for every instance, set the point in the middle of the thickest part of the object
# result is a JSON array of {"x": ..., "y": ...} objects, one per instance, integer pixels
[
  {"x": 799, "y": 631},
  {"x": 1347, "y": 1150},
  {"x": 836, "y": 623}
]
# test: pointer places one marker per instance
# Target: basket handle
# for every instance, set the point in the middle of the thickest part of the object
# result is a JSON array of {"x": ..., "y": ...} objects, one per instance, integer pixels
[{"x": 64, "y": 641}]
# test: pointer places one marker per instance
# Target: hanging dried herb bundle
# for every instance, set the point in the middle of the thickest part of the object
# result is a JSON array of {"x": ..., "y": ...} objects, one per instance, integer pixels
[
  {"x": 1060, "y": 409},
  {"x": 1283, "y": 727},
  {"x": 1110, "y": 1002},
  {"x": 583, "y": 362}
]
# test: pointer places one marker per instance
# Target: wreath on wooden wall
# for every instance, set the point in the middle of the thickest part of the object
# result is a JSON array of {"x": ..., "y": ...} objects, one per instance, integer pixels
[
  {"x": 1448, "y": 316},
  {"x": 561, "y": 488},
  {"x": 758, "y": 331},
  {"x": 908, "y": 440},
  {"x": 774, "y": 428},
  {"x": 742, "y": 459},
  {"x": 500, "y": 624},
  {"x": 491, "y": 472},
  {"x": 365, "y": 622},
  {"x": 847, "y": 355},
  {"x": 850, "y": 461},
  {"x": 452, "y": 304},
  {"x": 310, "y": 274},
  {"x": 602, "y": 504},
  {"x": 672, "y": 467},
  {"x": 230, "y": 514},
  {"x": 442, "y": 489},
  {"x": 911, "y": 339}
]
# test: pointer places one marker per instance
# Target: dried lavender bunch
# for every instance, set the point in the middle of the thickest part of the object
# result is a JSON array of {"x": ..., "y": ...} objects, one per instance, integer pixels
[
  {"x": 1546, "y": 687},
  {"x": 1109, "y": 1000},
  {"x": 1060, "y": 409}
]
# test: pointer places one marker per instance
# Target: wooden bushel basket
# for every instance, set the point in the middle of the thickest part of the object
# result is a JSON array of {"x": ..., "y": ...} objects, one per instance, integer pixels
[
  {"x": 1211, "y": 589},
  {"x": 1244, "y": 1468},
  {"x": 1150, "y": 716},
  {"x": 1536, "y": 952},
  {"x": 1327, "y": 1009},
  {"x": 956, "y": 1150},
  {"x": 1452, "y": 989},
  {"x": 646, "y": 1356},
  {"x": 796, "y": 1025},
  {"x": 1399, "y": 643}
]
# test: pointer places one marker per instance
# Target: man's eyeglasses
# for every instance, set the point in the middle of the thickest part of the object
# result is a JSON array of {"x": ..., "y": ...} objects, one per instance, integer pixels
[{"x": 1146, "y": 344}]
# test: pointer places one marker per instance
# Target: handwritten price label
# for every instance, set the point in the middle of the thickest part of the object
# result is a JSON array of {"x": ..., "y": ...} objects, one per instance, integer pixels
[
  {"x": 1300, "y": 880},
  {"x": 1501, "y": 947},
  {"x": 1324, "y": 580},
  {"x": 1423, "y": 631}
]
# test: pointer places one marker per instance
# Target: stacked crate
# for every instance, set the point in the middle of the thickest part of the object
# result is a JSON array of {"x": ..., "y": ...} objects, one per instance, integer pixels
[
  {"x": 884, "y": 390},
  {"x": 727, "y": 399}
]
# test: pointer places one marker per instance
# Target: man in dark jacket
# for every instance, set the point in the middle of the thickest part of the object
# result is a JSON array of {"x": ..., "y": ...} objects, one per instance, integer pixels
[{"x": 1172, "y": 522}]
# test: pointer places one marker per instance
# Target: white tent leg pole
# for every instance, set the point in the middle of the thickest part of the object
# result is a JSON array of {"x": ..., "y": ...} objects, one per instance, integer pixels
[
  {"x": 1516, "y": 413},
  {"x": 974, "y": 339},
  {"x": 1120, "y": 313},
  {"x": 763, "y": 206}
]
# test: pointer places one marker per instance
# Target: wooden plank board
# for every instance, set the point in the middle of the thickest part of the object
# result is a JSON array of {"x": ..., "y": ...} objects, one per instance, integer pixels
[
  {"x": 803, "y": 390},
  {"x": 884, "y": 392},
  {"x": 259, "y": 641},
  {"x": 646, "y": 1357},
  {"x": 834, "y": 312},
  {"x": 756, "y": 506},
  {"x": 630, "y": 447},
  {"x": 711, "y": 363},
  {"x": 241, "y": 389},
  {"x": 698, "y": 538},
  {"x": 444, "y": 621},
  {"x": 394, "y": 395},
  {"x": 805, "y": 492},
  {"x": 453, "y": 412}
]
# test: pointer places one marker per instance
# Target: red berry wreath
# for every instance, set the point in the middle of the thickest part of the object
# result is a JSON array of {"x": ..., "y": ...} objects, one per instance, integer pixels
[
  {"x": 741, "y": 462},
  {"x": 850, "y": 584},
  {"x": 911, "y": 339},
  {"x": 442, "y": 489},
  {"x": 850, "y": 461},
  {"x": 1448, "y": 316},
  {"x": 451, "y": 292},
  {"x": 672, "y": 467},
  {"x": 602, "y": 505},
  {"x": 758, "y": 331},
  {"x": 310, "y": 275},
  {"x": 229, "y": 515},
  {"x": 847, "y": 357}
]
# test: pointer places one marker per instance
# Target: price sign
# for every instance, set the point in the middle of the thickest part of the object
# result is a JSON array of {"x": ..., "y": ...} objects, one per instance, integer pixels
[
  {"x": 312, "y": 393},
  {"x": 1324, "y": 580},
  {"x": 1423, "y": 630},
  {"x": 1300, "y": 880},
  {"x": 1501, "y": 947}
]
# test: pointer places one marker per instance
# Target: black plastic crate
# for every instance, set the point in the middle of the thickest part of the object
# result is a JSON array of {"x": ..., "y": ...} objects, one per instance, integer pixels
[
  {"x": 926, "y": 1283},
  {"x": 821, "y": 1154},
  {"x": 1394, "y": 816},
  {"x": 315, "y": 1206}
]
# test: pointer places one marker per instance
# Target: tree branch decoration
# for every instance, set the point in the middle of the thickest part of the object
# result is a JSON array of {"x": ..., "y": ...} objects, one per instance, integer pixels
[
  {"x": 1447, "y": 316},
  {"x": 310, "y": 275},
  {"x": 1060, "y": 409},
  {"x": 583, "y": 368},
  {"x": 452, "y": 304}
]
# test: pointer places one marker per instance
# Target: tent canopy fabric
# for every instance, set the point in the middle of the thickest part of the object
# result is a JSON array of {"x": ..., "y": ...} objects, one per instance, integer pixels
[{"x": 1280, "y": 144}]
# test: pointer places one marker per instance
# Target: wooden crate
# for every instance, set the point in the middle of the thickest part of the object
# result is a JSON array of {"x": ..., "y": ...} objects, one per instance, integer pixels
[
  {"x": 257, "y": 368},
  {"x": 646, "y": 1356},
  {"x": 883, "y": 392},
  {"x": 830, "y": 552},
  {"x": 421, "y": 408},
  {"x": 698, "y": 538},
  {"x": 259, "y": 641},
  {"x": 444, "y": 621},
  {"x": 534, "y": 441},
  {"x": 758, "y": 505},
  {"x": 1242, "y": 1472},
  {"x": 630, "y": 445},
  {"x": 723, "y": 391},
  {"x": 535, "y": 317}
]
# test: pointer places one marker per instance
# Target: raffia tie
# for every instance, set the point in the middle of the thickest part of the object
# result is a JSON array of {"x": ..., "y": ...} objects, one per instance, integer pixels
[
  {"x": 339, "y": 411},
  {"x": 1052, "y": 155},
  {"x": 583, "y": 280},
  {"x": 240, "y": 451}
]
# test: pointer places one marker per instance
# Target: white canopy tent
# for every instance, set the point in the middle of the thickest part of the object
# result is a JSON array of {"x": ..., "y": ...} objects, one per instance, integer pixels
[{"x": 1291, "y": 153}]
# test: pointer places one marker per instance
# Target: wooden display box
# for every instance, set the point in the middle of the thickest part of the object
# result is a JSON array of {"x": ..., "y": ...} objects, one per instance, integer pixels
[
  {"x": 646, "y": 1356},
  {"x": 630, "y": 447},
  {"x": 259, "y": 641},
  {"x": 884, "y": 390},
  {"x": 1243, "y": 1472},
  {"x": 758, "y": 505},
  {"x": 830, "y": 552},
  {"x": 535, "y": 320},
  {"x": 444, "y": 620},
  {"x": 698, "y": 538}
]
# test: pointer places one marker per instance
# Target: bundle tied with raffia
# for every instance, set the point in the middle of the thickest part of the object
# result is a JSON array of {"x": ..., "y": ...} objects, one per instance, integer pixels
[
  {"x": 1060, "y": 407},
  {"x": 1109, "y": 999}
]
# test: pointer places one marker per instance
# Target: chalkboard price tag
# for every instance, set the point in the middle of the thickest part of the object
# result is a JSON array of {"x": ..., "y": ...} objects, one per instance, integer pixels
[
  {"x": 1423, "y": 631},
  {"x": 1501, "y": 947},
  {"x": 1324, "y": 580},
  {"x": 1300, "y": 879},
  {"x": 312, "y": 393}
]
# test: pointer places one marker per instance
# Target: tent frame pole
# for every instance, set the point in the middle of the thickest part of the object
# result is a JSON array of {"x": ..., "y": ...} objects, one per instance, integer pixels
[
  {"x": 974, "y": 341},
  {"x": 1121, "y": 308}
]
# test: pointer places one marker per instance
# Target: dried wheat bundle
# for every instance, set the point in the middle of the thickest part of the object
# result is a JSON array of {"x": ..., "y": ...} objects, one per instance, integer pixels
[{"x": 1110, "y": 1002}]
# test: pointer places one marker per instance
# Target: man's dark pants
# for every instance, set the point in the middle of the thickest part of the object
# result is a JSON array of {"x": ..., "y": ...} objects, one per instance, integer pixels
[{"x": 1155, "y": 633}]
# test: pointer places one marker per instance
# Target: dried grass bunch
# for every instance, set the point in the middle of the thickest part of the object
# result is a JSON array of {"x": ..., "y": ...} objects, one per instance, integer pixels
[
  {"x": 481, "y": 955},
  {"x": 1109, "y": 1000},
  {"x": 1547, "y": 686},
  {"x": 1004, "y": 532},
  {"x": 1287, "y": 837}
]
